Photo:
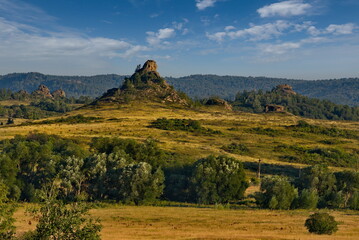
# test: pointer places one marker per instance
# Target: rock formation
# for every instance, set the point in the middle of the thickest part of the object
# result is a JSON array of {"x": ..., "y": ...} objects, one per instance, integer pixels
[
  {"x": 274, "y": 108},
  {"x": 42, "y": 91},
  {"x": 145, "y": 84},
  {"x": 218, "y": 102},
  {"x": 285, "y": 89},
  {"x": 59, "y": 93}
]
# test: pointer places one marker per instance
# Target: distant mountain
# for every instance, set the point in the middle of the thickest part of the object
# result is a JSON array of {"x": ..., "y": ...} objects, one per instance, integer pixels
[
  {"x": 74, "y": 86},
  {"x": 340, "y": 91}
]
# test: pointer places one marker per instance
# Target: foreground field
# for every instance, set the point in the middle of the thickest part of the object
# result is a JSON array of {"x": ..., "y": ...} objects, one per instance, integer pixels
[{"x": 128, "y": 222}]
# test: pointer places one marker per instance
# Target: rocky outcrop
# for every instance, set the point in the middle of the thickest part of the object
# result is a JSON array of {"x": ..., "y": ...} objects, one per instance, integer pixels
[
  {"x": 42, "y": 91},
  {"x": 274, "y": 108},
  {"x": 285, "y": 89},
  {"x": 59, "y": 93},
  {"x": 145, "y": 84},
  {"x": 218, "y": 102}
]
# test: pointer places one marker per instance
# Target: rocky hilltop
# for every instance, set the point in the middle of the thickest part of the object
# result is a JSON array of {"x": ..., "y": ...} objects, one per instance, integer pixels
[
  {"x": 285, "y": 89},
  {"x": 145, "y": 84}
]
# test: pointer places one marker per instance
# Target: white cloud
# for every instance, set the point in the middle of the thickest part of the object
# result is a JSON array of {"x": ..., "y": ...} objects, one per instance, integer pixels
[
  {"x": 341, "y": 29},
  {"x": 254, "y": 33},
  {"x": 279, "y": 48},
  {"x": 284, "y": 9},
  {"x": 203, "y": 4},
  {"x": 156, "y": 38},
  {"x": 229, "y": 28},
  {"x": 24, "y": 41},
  {"x": 218, "y": 36}
]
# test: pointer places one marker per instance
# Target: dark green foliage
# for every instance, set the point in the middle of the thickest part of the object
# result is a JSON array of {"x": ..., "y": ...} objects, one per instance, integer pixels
[
  {"x": 321, "y": 223},
  {"x": 188, "y": 125},
  {"x": 308, "y": 199},
  {"x": 27, "y": 112},
  {"x": 35, "y": 159},
  {"x": 60, "y": 221},
  {"x": 331, "y": 156},
  {"x": 322, "y": 180},
  {"x": 218, "y": 180},
  {"x": 7, "y": 228},
  {"x": 276, "y": 193},
  {"x": 348, "y": 184},
  {"x": 255, "y": 101},
  {"x": 138, "y": 152},
  {"x": 237, "y": 148},
  {"x": 52, "y": 105},
  {"x": 303, "y": 126}
]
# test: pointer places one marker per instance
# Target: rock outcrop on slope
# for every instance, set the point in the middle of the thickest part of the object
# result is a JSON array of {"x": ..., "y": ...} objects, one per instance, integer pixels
[
  {"x": 59, "y": 93},
  {"x": 145, "y": 84},
  {"x": 214, "y": 101},
  {"x": 285, "y": 89},
  {"x": 42, "y": 92}
]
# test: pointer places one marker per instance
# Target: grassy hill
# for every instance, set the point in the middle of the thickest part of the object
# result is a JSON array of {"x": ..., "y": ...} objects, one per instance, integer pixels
[
  {"x": 267, "y": 136},
  {"x": 263, "y": 134}
]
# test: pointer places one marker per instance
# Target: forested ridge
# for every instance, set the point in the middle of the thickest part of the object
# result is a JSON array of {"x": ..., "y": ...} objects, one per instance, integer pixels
[{"x": 340, "y": 91}]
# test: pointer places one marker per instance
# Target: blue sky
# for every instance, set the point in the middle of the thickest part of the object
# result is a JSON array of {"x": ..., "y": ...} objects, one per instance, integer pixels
[{"x": 303, "y": 39}]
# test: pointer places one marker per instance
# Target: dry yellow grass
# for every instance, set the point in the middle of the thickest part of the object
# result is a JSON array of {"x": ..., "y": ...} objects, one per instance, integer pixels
[
  {"x": 132, "y": 120},
  {"x": 129, "y": 222}
]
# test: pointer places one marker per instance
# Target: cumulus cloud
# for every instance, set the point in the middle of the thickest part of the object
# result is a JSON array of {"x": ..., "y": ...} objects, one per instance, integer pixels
[
  {"x": 203, "y": 4},
  {"x": 284, "y": 9},
  {"x": 254, "y": 33},
  {"x": 156, "y": 38},
  {"x": 341, "y": 29}
]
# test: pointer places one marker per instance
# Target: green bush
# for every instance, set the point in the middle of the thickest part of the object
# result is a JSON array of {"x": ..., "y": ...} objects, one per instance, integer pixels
[
  {"x": 187, "y": 125},
  {"x": 58, "y": 220},
  {"x": 237, "y": 148},
  {"x": 321, "y": 223}
]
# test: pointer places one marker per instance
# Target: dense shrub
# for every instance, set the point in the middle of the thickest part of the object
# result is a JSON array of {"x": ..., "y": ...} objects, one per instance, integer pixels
[
  {"x": 218, "y": 180},
  {"x": 321, "y": 223},
  {"x": 331, "y": 156},
  {"x": 237, "y": 148},
  {"x": 188, "y": 125},
  {"x": 276, "y": 193}
]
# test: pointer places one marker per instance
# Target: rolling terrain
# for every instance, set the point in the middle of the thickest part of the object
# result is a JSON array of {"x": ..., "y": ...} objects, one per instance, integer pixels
[{"x": 284, "y": 143}]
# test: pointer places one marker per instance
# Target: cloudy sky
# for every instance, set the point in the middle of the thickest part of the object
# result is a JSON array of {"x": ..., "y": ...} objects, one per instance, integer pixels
[{"x": 304, "y": 39}]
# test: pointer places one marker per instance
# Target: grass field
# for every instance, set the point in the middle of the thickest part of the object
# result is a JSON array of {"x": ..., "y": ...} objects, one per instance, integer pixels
[
  {"x": 132, "y": 121},
  {"x": 149, "y": 222},
  {"x": 146, "y": 222}
]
